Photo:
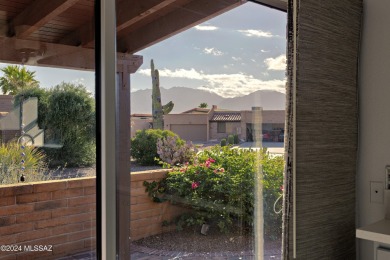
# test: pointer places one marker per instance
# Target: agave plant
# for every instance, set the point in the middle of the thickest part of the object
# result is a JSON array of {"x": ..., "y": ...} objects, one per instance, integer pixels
[{"x": 35, "y": 167}]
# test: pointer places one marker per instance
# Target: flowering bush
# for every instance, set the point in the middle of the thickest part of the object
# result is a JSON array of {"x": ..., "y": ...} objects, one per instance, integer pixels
[
  {"x": 220, "y": 186},
  {"x": 144, "y": 145},
  {"x": 172, "y": 151}
]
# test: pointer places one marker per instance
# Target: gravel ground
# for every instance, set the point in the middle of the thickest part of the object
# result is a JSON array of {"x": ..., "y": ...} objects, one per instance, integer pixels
[
  {"x": 190, "y": 240},
  {"x": 67, "y": 173}
]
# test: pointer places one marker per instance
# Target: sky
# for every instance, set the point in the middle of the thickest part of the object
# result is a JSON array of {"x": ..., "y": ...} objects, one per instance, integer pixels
[{"x": 234, "y": 54}]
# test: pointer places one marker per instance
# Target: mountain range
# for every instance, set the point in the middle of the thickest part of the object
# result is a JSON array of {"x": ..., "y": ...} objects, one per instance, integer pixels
[{"x": 188, "y": 98}]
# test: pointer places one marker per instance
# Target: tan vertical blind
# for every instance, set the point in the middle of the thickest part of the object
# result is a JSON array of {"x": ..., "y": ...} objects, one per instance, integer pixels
[{"x": 322, "y": 126}]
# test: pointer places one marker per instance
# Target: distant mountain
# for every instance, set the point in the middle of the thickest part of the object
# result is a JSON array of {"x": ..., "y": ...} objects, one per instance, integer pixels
[
  {"x": 188, "y": 98},
  {"x": 268, "y": 99}
]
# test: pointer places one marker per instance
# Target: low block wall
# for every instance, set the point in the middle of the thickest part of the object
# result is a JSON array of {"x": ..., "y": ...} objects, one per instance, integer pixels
[
  {"x": 146, "y": 215},
  {"x": 62, "y": 214},
  {"x": 56, "y": 214}
]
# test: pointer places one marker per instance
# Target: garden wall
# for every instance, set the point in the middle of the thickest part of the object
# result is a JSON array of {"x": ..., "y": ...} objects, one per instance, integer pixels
[
  {"x": 146, "y": 215},
  {"x": 62, "y": 214}
]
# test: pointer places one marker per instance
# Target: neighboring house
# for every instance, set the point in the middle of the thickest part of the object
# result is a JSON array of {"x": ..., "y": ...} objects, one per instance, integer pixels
[
  {"x": 140, "y": 122},
  {"x": 11, "y": 120},
  {"x": 201, "y": 124},
  {"x": 6, "y": 106}
]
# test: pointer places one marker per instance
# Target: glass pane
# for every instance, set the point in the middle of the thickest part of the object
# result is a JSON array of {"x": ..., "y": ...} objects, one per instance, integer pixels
[
  {"x": 47, "y": 130},
  {"x": 207, "y": 131}
]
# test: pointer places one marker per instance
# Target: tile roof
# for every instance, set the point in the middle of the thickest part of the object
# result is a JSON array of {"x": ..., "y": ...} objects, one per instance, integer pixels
[{"x": 226, "y": 117}]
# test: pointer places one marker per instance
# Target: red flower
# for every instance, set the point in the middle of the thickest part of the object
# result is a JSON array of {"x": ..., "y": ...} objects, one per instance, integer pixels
[
  {"x": 194, "y": 185},
  {"x": 219, "y": 170}
]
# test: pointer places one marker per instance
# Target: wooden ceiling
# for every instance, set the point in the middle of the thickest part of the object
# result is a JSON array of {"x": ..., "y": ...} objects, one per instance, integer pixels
[{"x": 60, "y": 33}]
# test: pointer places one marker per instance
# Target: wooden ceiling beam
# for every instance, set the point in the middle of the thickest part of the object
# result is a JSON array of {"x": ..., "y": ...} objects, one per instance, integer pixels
[
  {"x": 174, "y": 22},
  {"x": 19, "y": 51},
  {"x": 37, "y": 14},
  {"x": 129, "y": 12}
]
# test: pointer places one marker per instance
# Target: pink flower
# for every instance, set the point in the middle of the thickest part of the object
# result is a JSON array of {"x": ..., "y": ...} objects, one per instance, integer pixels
[
  {"x": 211, "y": 160},
  {"x": 194, "y": 185},
  {"x": 208, "y": 164},
  {"x": 219, "y": 170}
]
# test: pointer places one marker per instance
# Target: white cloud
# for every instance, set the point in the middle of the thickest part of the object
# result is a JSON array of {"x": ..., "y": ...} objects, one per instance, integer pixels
[
  {"x": 213, "y": 51},
  {"x": 263, "y": 51},
  {"x": 79, "y": 81},
  {"x": 278, "y": 63},
  {"x": 256, "y": 33},
  {"x": 206, "y": 28},
  {"x": 226, "y": 85},
  {"x": 236, "y": 58}
]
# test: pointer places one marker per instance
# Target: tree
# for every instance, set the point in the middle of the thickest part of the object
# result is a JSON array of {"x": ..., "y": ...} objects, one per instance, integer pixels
[
  {"x": 203, "y": 105},
  {"x": 71, "y": 118},
  {"x": 16, "y": 79}
]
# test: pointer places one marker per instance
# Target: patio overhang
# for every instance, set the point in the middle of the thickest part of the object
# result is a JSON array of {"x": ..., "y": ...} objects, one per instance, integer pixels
[{"x": 60, "y": 33}]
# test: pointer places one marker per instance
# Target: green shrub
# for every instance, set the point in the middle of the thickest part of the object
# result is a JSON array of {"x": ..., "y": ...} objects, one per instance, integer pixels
[
  {"x": 71, "y": 118},
  {"x": 230, "y": 139},
  {"x": 10, "y": 164},
  {"x": 272, "y": 167},
  {"x": 144, "y": 145},
  {"x": 220, "y": 188},
  {"x": 223, "y": 142},
  {"x": 236, "y": 140}
]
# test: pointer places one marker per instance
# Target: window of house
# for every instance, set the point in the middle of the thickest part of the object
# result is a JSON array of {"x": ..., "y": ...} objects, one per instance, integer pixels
[{"x": 221, "y": 127}]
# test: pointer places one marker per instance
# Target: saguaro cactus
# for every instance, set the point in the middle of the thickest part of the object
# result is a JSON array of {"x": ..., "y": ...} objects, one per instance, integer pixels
[{"x": 158, "y": 110}]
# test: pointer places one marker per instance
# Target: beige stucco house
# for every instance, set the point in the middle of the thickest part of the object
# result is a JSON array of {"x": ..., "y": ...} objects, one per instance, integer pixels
[
  {"x": 140, "y": 122},
  {"x": 201, "y": 125}
]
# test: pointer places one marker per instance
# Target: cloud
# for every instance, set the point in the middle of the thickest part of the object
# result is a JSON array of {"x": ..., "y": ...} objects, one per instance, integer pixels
[
  {"x": 278, "y": 63},
  {"x": 206, "y": 28},
  {"x": 213, "y": 51},
  {"x": 256, "y": 33},
  {"x": 263, "y": 51},
  {"x": 79, "y": 81},
  {"x": 236, "y": 58},
  {"x": 226, "y": 85}
]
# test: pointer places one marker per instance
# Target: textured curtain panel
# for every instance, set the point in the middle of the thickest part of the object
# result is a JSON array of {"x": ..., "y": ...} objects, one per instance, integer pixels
[{"x": 323, "y": 47}]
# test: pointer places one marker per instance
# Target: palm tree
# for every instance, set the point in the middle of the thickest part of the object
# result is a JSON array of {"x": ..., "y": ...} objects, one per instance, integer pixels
[
  {"x": 16, "y": 78},
  {"x": 203, "y": 105}
]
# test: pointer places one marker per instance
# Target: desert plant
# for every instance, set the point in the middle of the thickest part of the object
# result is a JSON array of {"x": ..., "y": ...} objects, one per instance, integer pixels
[
  {"x": 230, "y": 139},
  {"x": 144, "y": 145},
  {"x": 236, "y": 140},
  {"x": 35, "y": 167},
  {"x": 223, "y": 142},
  {"x": 172, "y": 151}
]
